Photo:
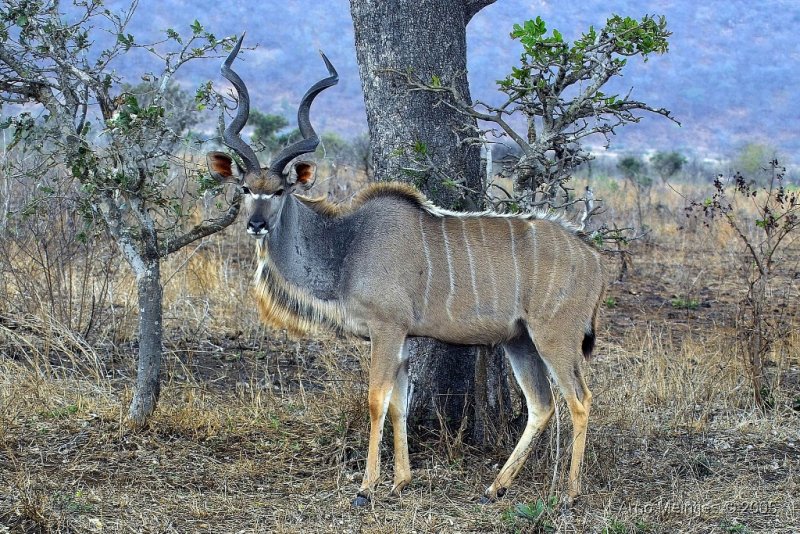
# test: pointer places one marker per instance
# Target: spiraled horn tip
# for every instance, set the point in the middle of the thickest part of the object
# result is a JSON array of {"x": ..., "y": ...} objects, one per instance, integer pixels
[
  {"x": 229, "y": 60},
  {"x": 329, "y": 65}
]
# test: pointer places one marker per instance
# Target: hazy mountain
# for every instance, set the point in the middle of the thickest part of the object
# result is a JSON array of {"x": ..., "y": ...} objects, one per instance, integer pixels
[{"x": 731, "y": 76}]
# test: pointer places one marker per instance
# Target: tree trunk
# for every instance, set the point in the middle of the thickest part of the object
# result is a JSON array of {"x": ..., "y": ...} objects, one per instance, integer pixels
[
  {"x": 759, "y": 342},
  {"x": 148, "y": 282},
  {"x": 428, "y": 37}
]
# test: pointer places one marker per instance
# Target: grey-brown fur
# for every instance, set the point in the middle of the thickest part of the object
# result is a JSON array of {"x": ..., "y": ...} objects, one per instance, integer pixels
[{"x": 393, "y": 266}]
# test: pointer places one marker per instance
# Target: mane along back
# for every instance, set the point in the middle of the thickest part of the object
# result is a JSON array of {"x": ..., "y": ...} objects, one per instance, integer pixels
[
  {"x": 408, "y": 194},
  {"x": 396, "y": 190}
]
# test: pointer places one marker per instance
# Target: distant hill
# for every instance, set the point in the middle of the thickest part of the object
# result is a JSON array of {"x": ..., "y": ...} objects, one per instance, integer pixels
[{"x": 731, "y": 76}]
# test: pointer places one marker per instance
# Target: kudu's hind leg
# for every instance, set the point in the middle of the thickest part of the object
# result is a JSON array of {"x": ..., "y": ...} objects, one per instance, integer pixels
[
  {"x": 398, "y": 411},
  {"x": 531, "y": 374},
  {"x": 564, "y": 357},
  {"x": 386, "y": 356}
]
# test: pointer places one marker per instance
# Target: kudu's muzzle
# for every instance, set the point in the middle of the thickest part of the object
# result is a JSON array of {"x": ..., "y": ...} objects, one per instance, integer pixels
[{"x": 257, "y": 227}]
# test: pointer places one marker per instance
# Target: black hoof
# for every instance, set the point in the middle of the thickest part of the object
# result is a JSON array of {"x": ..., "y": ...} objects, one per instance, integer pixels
[
  {"x": 360, "y": 501},
  {"x": 489, "y": 500}
]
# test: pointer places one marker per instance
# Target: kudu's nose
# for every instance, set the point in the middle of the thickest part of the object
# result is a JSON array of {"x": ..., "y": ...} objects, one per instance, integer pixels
[{"x": 256, "y": 226}]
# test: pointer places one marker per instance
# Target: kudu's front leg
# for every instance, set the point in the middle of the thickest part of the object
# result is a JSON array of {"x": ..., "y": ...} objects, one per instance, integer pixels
[{"x": 385, "y": 361}]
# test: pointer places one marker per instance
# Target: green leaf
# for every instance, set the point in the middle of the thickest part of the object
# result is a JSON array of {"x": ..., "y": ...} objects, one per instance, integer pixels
[
  {"x": 125, "y": 40},
  {"x": 172, "y": 34},
  {"x": 196, "y": 27},
  {"x": 21, "y": 21}
]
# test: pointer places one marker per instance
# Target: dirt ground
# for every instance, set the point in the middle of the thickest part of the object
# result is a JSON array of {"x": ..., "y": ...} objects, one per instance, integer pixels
[{"x": 258, "y": 433}]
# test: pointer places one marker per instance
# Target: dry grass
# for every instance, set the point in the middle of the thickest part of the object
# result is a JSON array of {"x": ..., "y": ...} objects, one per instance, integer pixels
[{"x": 256, "y": 433}]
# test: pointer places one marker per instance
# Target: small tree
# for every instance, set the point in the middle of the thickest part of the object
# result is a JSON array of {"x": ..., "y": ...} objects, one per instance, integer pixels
[
  {"x": 266, "y": 128},
  {"x": 335, "y": 146},
  {"x": 362, "y": 155},
  {"x": 117, "y": 145},
  {"x": 557, "y": 87},
  {"x": 635, "y": 172},
  {"x": 632, "y": 168},
  {"x": 667, "y": 164},
  {"x": 753, "y": 157},
  {"x": 764, "y": 238},
  {"x": 268, "y": 131}
]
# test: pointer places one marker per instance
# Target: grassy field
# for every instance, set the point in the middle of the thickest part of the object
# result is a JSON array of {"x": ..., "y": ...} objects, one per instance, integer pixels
[{"x": 258, "y": 433}]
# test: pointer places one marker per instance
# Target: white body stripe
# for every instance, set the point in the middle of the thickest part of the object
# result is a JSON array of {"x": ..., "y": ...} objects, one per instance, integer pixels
[
  {"x": 427, "y": 261},
  {"x": 546, "y": 304},
  {"x": 534, "y": 255},
  {"x": 516, "y": 268},
  {"x": 471, "y": 261},
  {"x": 488, "y": 258},
  {"x": 450, "y": 272}
]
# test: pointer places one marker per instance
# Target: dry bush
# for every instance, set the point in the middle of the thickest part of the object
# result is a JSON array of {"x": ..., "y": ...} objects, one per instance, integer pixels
[{"x": 256, "y": 432}]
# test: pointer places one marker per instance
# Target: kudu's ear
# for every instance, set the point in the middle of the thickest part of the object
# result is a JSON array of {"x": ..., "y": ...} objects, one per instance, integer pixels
[
  {"x": 223, "y": 168},
  {"x": 303, "y": 174}
]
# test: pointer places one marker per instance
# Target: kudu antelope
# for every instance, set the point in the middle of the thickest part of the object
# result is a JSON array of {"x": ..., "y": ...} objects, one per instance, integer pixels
[{"x": 393, "y": 265}]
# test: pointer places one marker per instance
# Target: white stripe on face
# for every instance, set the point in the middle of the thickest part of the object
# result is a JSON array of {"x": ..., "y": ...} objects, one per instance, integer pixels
[{"x": 261, "y": 196}]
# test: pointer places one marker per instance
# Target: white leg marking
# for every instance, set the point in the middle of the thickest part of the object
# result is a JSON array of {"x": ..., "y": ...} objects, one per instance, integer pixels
[
  {"x": 488, "y": 257},
  {"x": 471, "y": 268},
  {"x": 517, "y": 375},
  {"x": 428, "y": 261},
  {"x": 450, "y": 272},
  {"x": 382, "y": 418},
  {"x": 516, "y": 270}
]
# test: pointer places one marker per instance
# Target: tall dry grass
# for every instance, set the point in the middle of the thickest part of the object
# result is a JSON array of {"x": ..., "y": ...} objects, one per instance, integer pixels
[{"x": 255, "y": 432}]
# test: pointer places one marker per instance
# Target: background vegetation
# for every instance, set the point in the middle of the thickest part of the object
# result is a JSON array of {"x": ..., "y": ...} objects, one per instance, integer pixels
[
  {"x": 255, "y": 432},
  {"x": 715, "y": 76},
  {"x": 677, "y": 440}
]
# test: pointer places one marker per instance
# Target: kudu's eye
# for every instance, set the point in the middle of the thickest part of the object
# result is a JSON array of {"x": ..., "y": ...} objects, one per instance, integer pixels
[
  {"x": 279, "y": 192},
  {"x": 245, "y": 190}
]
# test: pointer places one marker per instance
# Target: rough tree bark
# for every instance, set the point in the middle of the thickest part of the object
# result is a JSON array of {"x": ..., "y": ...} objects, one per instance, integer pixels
[
  {"x": 429, "y": 37},
  {"x": 144, "y": 400}
]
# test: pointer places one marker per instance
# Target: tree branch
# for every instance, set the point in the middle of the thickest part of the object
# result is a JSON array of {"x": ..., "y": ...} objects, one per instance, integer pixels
[
  {"x": 203, "y": 229},
  {"x": 473, "y": 6}
]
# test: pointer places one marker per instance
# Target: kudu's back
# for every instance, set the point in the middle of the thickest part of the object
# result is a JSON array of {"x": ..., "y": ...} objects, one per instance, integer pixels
[{"x": 471, "y": 278}]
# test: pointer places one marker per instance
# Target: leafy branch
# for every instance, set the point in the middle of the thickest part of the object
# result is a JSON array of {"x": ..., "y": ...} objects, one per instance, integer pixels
[{"x": 557, "y": 87}]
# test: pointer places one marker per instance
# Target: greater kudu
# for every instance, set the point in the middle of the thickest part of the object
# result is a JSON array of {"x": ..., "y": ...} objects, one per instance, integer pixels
[{"x": 393, "y": 265}]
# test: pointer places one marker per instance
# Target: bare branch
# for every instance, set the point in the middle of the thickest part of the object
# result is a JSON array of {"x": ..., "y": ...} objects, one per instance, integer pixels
[
  {"x": 206, "y": 228},
  {"x": 473, "y": 6}
]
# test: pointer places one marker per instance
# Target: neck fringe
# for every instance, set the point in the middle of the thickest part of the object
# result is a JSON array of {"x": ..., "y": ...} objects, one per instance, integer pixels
[{"x": 284, "y": 305}]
